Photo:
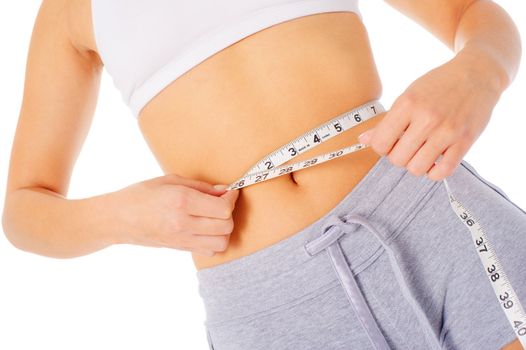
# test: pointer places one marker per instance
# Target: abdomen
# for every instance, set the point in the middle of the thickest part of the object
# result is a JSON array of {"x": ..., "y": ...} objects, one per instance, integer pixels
[{"x": 218, "y": 119}]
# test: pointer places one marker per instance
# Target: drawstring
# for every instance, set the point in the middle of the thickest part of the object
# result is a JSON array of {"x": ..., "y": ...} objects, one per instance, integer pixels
[{"x": 333, "y": 231}]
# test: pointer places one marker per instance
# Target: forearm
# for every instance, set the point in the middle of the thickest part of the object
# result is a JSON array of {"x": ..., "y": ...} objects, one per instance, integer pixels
[
  {"x": 42, "y": 222},
  {"x": 489, "y": 40}
]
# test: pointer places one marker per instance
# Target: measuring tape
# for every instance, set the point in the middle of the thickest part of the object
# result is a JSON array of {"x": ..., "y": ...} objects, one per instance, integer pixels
[{"x": 271, "y": 166}]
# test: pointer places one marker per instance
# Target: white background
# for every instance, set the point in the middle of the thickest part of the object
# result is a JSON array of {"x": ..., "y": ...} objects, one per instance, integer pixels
[{"x": 134, "y": 297}]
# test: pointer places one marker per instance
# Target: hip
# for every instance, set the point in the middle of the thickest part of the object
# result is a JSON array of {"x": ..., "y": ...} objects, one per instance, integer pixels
[{"x": 418, "y": 282}]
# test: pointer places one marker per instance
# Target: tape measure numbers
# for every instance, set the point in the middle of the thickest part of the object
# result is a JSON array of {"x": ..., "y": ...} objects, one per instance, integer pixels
[
  {"x": 271, "y": 166},
  {"x": 502, "y": 287}
]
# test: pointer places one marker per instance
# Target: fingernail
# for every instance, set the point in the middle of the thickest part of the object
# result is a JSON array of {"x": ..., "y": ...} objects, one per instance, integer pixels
[{"x": 220, "y": 187}]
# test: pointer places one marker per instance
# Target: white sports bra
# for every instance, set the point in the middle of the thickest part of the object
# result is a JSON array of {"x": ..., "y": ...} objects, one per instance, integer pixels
[{"x": 146, "y": 45}]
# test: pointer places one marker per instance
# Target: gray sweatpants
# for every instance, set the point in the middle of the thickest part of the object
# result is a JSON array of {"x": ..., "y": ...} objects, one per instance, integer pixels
[{"x": 390, "y": 267}]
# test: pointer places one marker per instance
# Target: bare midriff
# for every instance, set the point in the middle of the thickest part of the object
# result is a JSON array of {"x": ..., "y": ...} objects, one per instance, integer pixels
[{"x": 221, "y": 117}]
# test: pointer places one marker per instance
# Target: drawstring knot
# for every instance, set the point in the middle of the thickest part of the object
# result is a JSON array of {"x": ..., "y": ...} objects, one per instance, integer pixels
[{"x": 335, "y": 228}]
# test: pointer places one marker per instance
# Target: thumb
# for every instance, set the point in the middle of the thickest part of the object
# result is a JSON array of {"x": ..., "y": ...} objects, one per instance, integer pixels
[
  {"x": 231, "y": 195},
  {"x": 199, "y": 185}
]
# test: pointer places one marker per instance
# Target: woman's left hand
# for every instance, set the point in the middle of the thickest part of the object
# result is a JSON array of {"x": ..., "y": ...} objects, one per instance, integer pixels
[{"x": 441, "y": 113}]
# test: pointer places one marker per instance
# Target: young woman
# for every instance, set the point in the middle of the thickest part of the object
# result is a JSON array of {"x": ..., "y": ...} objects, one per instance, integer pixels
[{"x": 363, "y": 251}]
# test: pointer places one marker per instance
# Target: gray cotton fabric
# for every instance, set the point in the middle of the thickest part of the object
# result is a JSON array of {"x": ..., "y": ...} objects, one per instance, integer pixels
[{"x": 389, "y": 267}]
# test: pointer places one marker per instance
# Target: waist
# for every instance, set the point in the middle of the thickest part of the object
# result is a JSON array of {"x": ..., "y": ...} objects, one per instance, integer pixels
[
  {"x": 270, "y": 211},
  {"x": 217, "y": 120}
]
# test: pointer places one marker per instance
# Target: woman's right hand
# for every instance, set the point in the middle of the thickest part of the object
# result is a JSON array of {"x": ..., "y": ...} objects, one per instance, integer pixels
[{"x": 176, "y": 212}]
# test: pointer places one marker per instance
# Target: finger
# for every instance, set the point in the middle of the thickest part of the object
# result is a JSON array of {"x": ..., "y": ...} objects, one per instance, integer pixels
[
  {"x": 408, "y": 145},
  {"x": 199, "y": 185},
  {"x": 202, "y": 244},
  {"x": 428, "y": 153},
  {"x": 231, "y": 196},
  {"x": 200, "y": 225},
  {"x": 448, "y": 163},
  {"x": 203, "y": 186},
  {"x": 388, "y": 130},
  {"x": 424, "y": 159},
  {"x": 203, "y": 204},
  {"x": 210, "y": 243}
]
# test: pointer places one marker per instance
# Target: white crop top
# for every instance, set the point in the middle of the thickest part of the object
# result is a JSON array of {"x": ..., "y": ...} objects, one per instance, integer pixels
[{"x": 147, "y": 44}]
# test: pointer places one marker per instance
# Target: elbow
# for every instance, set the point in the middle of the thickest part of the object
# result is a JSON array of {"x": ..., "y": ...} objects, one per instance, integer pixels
[
  {"x": 9, "y": 230},
  {"x": 23, "y": 242},
  {"x": 7, "y": 226},
  {"x": 7, "y": 221}
]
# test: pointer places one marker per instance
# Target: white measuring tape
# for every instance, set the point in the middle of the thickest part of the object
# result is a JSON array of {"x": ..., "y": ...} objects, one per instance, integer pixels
[{"x": 269, "y": 167}]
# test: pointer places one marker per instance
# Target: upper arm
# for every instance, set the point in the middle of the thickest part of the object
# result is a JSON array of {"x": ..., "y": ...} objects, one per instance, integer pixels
[
  {"x": 439, "y": 17},
  {"x": 60, "y": 93}
]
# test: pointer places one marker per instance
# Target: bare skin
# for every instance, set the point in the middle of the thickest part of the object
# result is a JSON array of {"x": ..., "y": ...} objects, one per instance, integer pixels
[
  {"x": 295, "y": 78},
  {"x": 291, "y": 202}
]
